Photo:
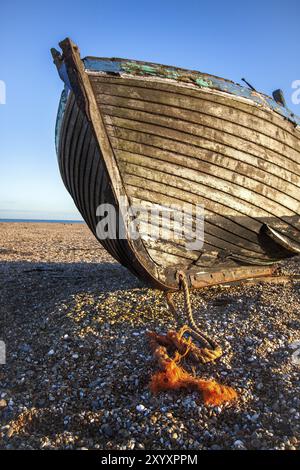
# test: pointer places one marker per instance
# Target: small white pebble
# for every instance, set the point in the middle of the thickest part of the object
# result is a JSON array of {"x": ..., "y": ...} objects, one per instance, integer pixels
[
  {"x": 51, "y": 352},
  {"x": 239, "y": 444},
  {"x": 140, "y": 408}
]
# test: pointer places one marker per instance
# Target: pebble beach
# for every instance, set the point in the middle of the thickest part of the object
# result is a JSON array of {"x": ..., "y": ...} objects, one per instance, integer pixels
[{"x": 78, "y": 363}]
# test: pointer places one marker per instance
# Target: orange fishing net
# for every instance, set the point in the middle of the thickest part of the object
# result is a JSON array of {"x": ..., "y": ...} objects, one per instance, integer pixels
[{"x": 173, "y": 377}]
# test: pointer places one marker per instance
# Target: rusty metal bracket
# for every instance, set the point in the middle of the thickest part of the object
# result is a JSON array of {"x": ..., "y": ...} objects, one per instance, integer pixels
[{"x": 197, "y": 280}]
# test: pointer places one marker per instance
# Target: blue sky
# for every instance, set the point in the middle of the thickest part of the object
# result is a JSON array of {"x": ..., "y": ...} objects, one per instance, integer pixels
[{"x": 258, "y": 40}]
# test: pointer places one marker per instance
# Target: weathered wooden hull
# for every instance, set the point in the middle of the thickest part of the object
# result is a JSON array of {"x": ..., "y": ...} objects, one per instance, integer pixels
[{"x": 159, "y": 140}]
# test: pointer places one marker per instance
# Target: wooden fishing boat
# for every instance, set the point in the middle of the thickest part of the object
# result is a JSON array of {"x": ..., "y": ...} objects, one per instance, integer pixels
[{"x": 157, "y": 135}]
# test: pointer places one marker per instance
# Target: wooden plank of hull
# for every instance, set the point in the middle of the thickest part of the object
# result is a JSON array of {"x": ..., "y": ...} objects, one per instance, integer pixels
[
  {"x": 285, "y": 204},
  {"x": 252, "y": 162},
  {"x": 169, "y": 239},
  {"x": 82, "y": 164},
  {"x": 84, "y": 203},
  {"x": 151, "y": 128},
  {"x": 215, "y": 236},
  {"x": 201, "y": 147},
  {"x": 218, "y": 104},
  {"x": 214, "y": 225},
  {"x": 86, "y": 179},
  {"x": 212, "y": 240},
  {"x": 165, "y": 257},
  {"x": 150, "y": 124},
  {"x": 210, "y": 115},
  {"x": 288, "y": 145},
  {"x": 233, "y": 189},
  {"x": 74, "y": 156},
  {"x": 223, "y": 227},
  {"x": 241, "y": 197},
  {"x": 79, "y": 144},
  {"x": 222, "y": 206}
]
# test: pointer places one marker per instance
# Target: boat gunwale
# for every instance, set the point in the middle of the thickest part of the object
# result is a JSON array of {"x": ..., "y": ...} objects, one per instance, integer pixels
[{"x": 194, "y": 78}]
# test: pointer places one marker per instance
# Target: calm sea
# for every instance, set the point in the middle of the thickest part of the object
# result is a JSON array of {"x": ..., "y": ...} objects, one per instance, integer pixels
[{"x": 44, "y": 221}]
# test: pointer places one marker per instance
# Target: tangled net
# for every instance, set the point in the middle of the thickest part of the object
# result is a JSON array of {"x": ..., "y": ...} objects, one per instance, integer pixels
[{"x": 173, "y": 377}]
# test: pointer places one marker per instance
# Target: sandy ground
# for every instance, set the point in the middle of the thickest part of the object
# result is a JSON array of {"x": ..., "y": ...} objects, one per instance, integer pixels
[{"x": 78, "y": 362}]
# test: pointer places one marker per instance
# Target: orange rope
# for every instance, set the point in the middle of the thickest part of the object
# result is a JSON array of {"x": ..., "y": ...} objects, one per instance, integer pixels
[{"x": 173, "y": 377}]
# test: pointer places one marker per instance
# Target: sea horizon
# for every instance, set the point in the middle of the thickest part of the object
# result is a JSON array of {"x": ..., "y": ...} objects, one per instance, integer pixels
[{"x": 52, "y": 221}]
